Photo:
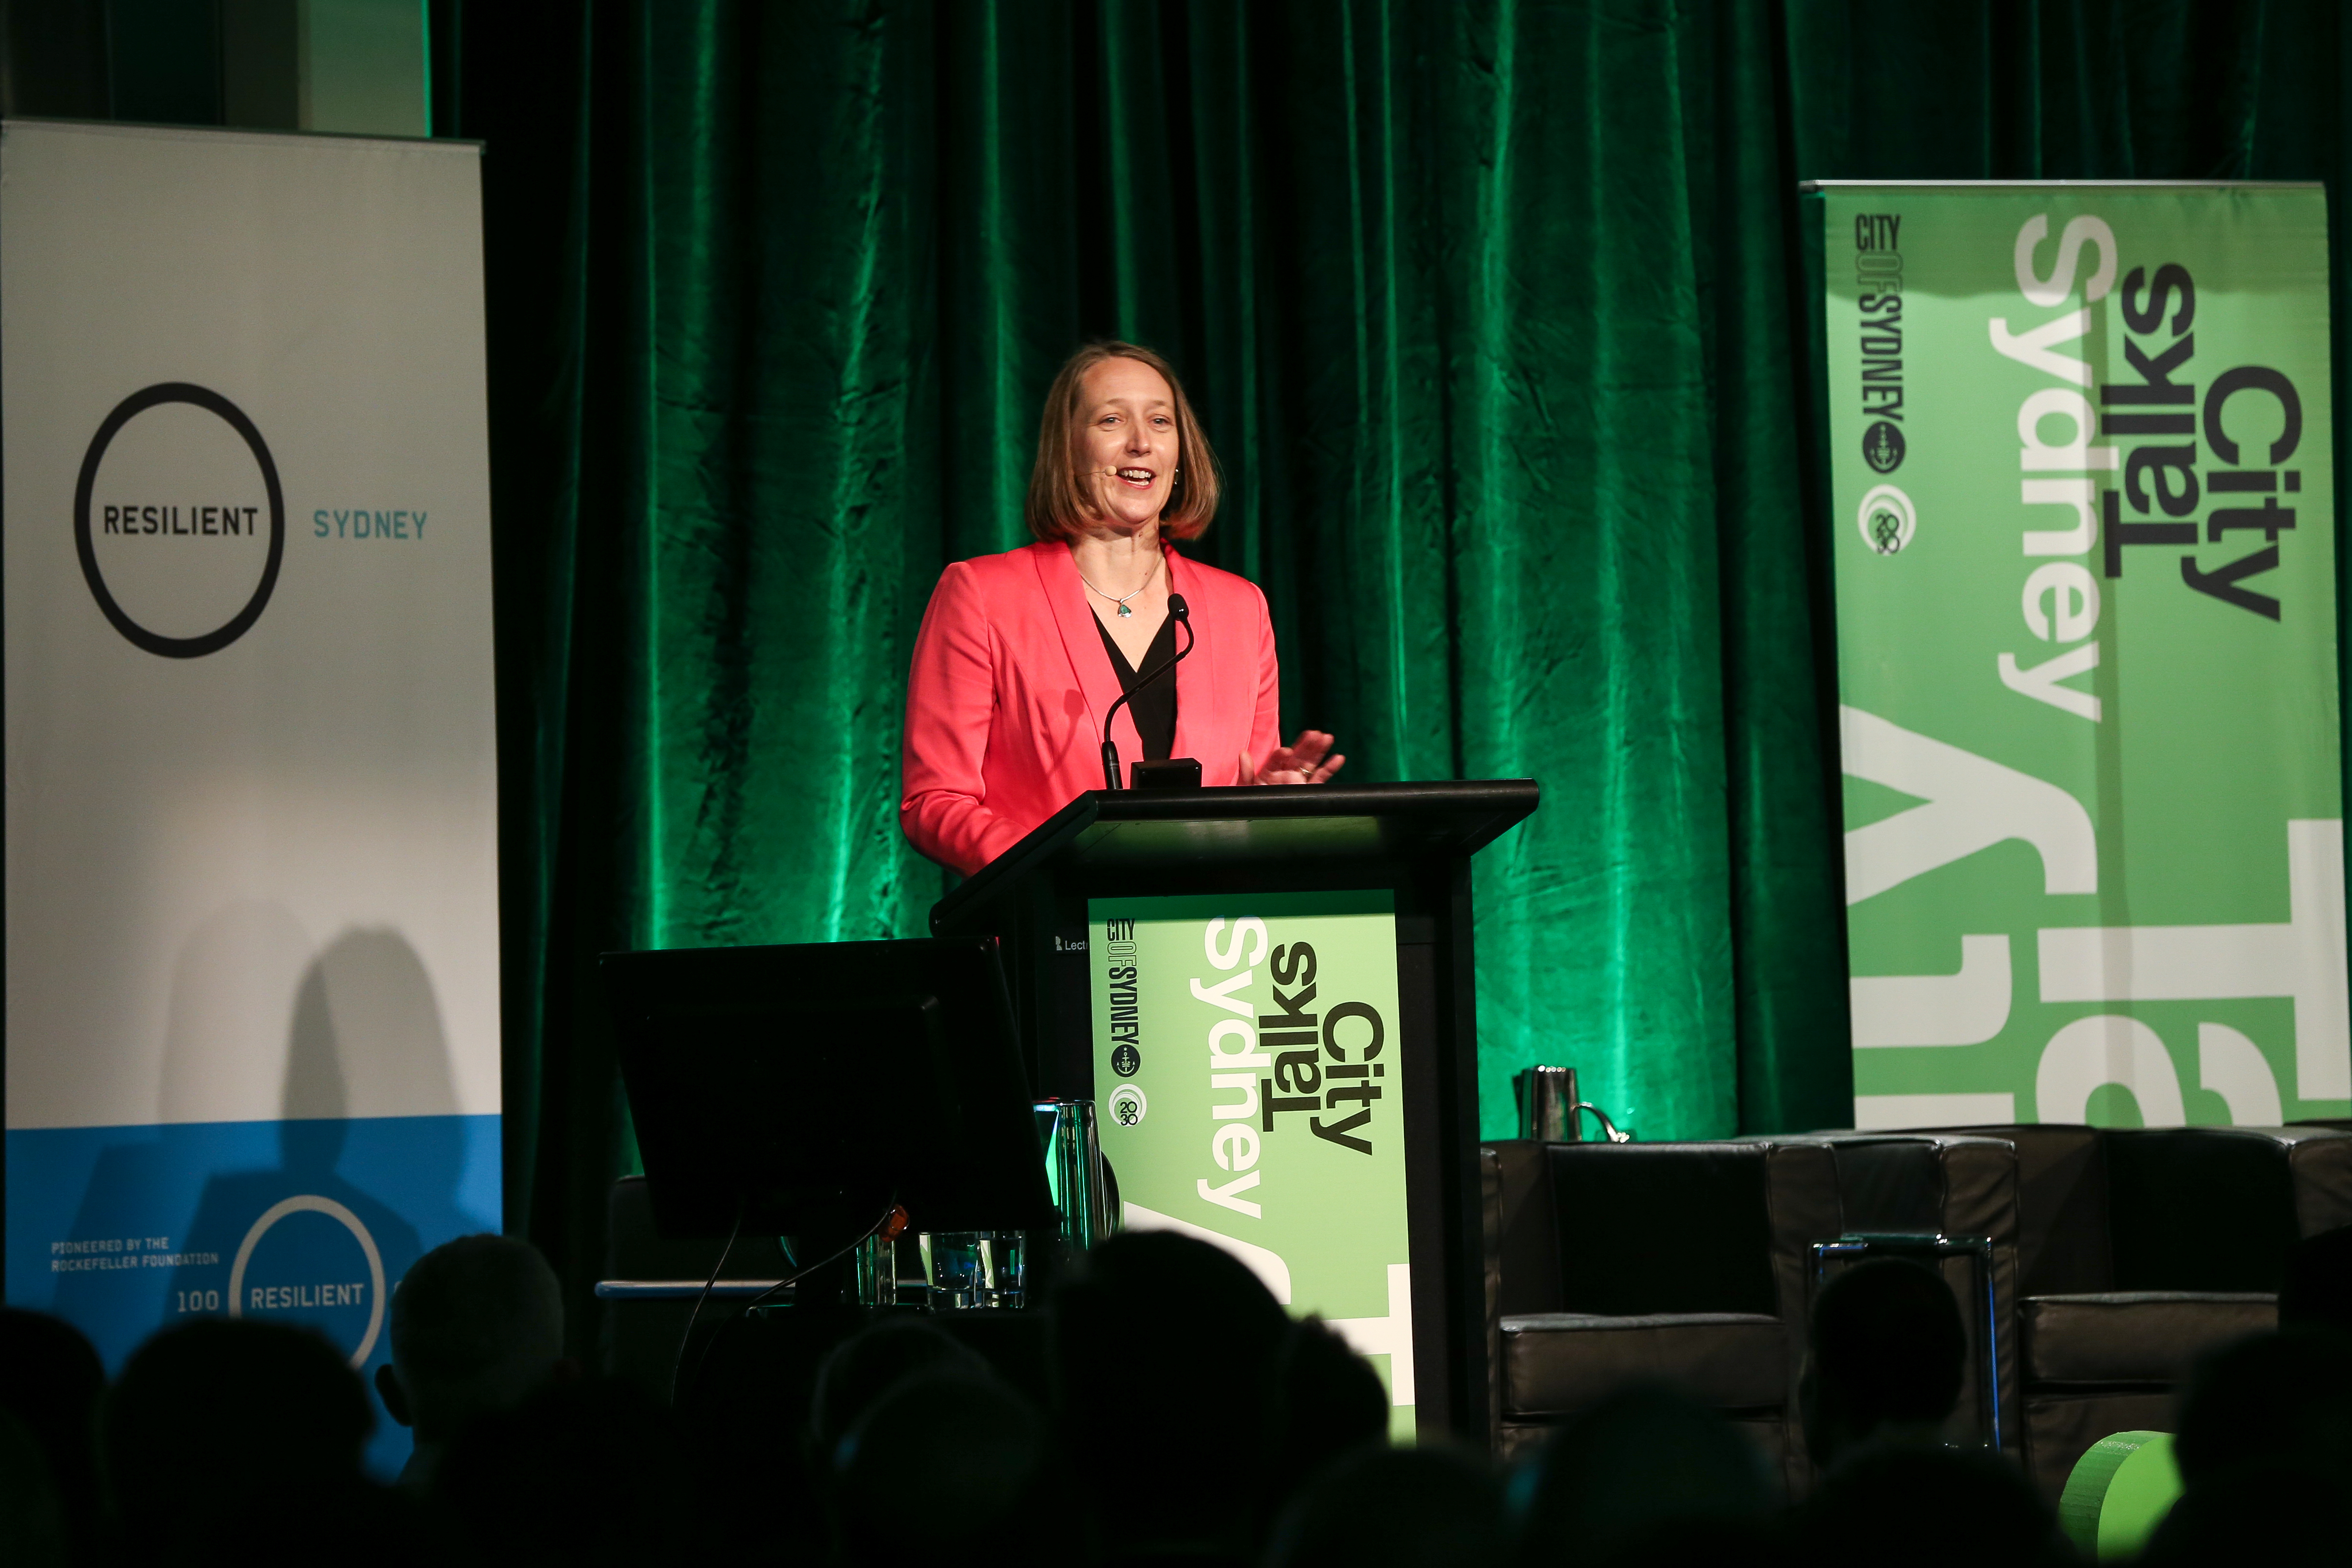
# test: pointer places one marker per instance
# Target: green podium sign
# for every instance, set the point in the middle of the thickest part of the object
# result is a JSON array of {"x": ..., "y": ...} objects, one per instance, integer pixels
[{"x": 1249, "y": 1072}]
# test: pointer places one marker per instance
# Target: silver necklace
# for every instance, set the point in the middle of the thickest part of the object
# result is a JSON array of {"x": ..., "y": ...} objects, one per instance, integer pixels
[{"x": 1125, "y": 612}]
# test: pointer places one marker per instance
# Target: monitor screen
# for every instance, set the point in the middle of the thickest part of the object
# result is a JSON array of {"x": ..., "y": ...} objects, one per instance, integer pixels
[{"x": 802, "y": 1090}]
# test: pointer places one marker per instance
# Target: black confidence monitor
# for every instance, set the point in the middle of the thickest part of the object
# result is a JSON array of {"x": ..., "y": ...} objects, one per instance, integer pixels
[{"x": 799, "y": 1090}]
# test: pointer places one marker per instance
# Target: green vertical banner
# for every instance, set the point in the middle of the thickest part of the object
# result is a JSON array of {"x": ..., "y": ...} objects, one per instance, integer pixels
[
  {"x": 1249, "y": 1073},
  {"x": 2084, "y": 524}
]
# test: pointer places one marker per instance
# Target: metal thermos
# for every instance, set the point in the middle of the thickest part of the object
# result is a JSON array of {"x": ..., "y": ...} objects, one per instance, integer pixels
[
  {"x": 1547, "y": 1102},
  {"x": 1073, "y": 1171}
]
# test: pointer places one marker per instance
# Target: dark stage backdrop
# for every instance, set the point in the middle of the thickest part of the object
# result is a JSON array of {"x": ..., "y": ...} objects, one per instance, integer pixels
[{"x": 1495, "y": 315}]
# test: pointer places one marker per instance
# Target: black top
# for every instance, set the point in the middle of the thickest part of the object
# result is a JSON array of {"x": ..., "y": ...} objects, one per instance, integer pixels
[{"x": 1154, "y": 707}]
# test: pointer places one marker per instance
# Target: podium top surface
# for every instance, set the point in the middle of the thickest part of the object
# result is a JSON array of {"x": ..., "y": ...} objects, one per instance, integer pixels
[{"x": 1248, "y": 825}]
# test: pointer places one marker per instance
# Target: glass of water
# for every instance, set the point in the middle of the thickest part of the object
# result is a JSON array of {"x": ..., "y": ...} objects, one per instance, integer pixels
[
  {"x": 974, "y": 1269},
  {"x": 1003, "y": 1255}
]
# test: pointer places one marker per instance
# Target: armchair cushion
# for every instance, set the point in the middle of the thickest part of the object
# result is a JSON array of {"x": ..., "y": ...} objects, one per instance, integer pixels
[
  {"x": 1624, "y": 1229},
  {"x": 2061, "y": 1207},
  {"x": 1556, "y": 1363},
  {"x": 1696, "y": 1214},
  {"x": 2200, "y": 1209},
  {"x": 2174, "y": 1208},
  {"x": 2134, "y": 1336}
]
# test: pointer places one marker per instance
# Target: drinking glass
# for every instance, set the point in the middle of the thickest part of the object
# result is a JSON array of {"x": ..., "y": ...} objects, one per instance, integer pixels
[
  {"x": 951, "y": 1268},
  {"x": 1004, "y": 1257},
  {"x": 969, "y": 1270}
]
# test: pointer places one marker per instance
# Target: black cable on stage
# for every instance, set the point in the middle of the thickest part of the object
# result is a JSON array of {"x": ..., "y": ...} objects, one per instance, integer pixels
[
  {"x": 870, "y": 1232},
  {"x": 679, "y": 1365},
  {"x": 889, "y": 1212}
]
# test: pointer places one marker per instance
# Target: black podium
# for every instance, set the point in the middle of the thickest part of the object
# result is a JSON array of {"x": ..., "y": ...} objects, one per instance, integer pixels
[{"x": 1403, "y": 849}]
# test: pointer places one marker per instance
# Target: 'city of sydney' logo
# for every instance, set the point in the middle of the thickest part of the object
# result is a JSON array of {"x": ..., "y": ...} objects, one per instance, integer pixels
[{"x": 1883, "y": 447}]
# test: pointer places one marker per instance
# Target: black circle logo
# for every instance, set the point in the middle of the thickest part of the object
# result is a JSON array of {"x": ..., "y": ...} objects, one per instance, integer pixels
[
  {"x": 1883, "y": 447},
  {"x": 211, "y": 402},
  {"x": 1126, "y": 1061}
]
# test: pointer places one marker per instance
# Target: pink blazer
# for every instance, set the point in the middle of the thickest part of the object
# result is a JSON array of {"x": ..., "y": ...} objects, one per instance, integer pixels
[{"x": 1009, "y": 684}]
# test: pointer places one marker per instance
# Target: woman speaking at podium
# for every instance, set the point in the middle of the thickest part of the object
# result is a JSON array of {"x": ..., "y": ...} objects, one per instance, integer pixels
[{"x": 1023, "y": 656}]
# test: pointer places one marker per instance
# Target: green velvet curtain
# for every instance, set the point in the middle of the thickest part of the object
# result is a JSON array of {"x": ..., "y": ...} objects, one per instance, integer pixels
[{"x": 1495, "y": 313}]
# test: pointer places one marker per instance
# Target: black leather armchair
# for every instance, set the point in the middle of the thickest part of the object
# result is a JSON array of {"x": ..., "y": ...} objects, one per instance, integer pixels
[
  {"x": 1687, "y": 1263},
  {"x": 2139, "y": 1250}
]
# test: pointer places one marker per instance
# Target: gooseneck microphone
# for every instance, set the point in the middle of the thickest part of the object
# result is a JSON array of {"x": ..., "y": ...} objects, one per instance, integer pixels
[{"x": 1176, "y": 607}]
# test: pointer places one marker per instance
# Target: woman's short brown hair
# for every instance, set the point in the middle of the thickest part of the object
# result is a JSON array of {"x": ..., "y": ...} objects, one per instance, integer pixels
[{"x": 1058, "y": 504}]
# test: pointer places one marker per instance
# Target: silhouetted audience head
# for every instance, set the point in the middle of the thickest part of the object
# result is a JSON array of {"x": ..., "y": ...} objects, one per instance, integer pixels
[
  {"x": 868, "y": 1365},
  {"x": 2268, "y": 1396},
  {"x": 2265, "y": 1511},
  {"x": 1645, "y": 1474},
  {"x": 944, "y": 1467},
  {"x": 2265, "y": 1448},
  {"x": 1323, "y": 1401},
  {"x": 371, "y": 1527},
  {"x": 214, "y": 1419},
  {"x": 1165, "y": 1348},
  {"x": 1393, "y": 1507},
  {"x": 1161, "y": 1352},
  {"x": 1194, "y": 1420},
  {"x": 477, "y": 1325},
  {"x": 2317, "y": 1292},
  {"x": 1926, "y": 1507},
  {"x": 1887, "y": 1355},
  {"x": 50, "y": 1380},
  {"x": 32, "y": 1521},
  {"x": 586, "y": 1473}
]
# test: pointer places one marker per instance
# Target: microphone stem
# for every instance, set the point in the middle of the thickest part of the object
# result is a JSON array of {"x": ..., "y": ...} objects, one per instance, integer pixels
[{"x": 1109, "y": 746}]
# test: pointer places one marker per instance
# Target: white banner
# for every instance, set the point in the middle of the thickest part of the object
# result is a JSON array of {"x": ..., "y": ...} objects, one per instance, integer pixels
[{"x": 251, "y": 812}]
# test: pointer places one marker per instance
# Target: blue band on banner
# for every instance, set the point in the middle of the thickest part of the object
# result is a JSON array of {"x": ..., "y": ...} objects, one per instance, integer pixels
[{"x": 124, "y": 1230}]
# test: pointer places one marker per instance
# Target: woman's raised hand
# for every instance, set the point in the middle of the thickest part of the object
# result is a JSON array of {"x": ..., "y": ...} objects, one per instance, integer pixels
[{"x": 1306, "y": 761}]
